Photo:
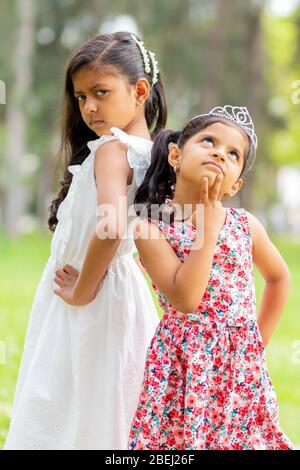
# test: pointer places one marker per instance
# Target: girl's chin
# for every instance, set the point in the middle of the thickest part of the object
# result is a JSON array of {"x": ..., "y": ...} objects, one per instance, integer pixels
[
  {"x": 104, "y": 131},
  {"x": 211, "y": 175},
  {"x": 101, "y": 129}
]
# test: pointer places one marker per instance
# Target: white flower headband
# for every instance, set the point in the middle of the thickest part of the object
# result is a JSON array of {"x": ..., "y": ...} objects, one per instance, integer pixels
[{"x": 145, "y": 54}]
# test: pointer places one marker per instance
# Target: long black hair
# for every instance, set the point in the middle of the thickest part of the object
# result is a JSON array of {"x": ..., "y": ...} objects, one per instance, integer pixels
[
  {"x": 122, "y": 52},
  {"x": 160, "y": 179}
]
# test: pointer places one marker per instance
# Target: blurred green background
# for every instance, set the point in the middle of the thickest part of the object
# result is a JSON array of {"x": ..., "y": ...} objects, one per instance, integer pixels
[{"x": 210, "y": 52}]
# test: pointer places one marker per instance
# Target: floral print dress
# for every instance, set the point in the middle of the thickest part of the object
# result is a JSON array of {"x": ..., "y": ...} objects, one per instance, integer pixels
[{"x": 206, "y": 385}]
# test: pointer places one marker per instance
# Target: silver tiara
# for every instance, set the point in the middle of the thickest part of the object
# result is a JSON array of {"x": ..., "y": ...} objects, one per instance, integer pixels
[
  {"x": 146, "y": 54},
  {"x": 238, "y": 114}
]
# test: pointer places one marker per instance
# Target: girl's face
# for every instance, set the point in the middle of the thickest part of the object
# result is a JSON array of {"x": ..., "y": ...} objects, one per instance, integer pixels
[
  {"x": 107, "y": 99},
  {"x": 219, "y": 148}
]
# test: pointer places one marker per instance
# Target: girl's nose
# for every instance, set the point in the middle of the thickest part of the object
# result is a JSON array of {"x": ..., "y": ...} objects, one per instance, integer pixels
[
  {"x": 90, "y": 106},
  {"x": 219, "y": 154}
]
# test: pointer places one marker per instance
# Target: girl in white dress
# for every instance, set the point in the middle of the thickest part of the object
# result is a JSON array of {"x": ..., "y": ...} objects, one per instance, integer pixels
[{"x": 93, "y": 315}]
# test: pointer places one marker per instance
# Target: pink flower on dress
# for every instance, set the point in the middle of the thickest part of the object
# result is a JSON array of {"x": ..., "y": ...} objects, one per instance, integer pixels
[
  {"x": 178, "y": 434},
  {"x": 191, "y": 401},
  {"x": 255, "y": 442},
  {"x": 156, "y": 408},
  {"x": 218, "y": 259},
  {"x": 229, "y": 267},
  {"x": 235, "y": 402}
]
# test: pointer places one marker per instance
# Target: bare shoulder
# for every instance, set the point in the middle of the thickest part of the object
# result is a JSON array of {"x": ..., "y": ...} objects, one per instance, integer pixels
[
  {"x": 111, "y": 162},
  {"x": 151, "y": 242},
  {"x": 256, "y": 227},
  {"x": 266, "y": 257},
  {"x": 144, "y": 229},
  {"x": 157, "y": 255},
  {"x": 113, "y": 149}
]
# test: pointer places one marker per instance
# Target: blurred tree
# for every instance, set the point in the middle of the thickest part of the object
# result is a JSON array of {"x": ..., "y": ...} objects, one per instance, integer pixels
[
  {"x": 8, "y": 24},
  {"x": 234, "y": 70},
  {"x": 283, "y": 46},
  {"x": 15, "y": 191},
  {"x": 209, "y": 51}
]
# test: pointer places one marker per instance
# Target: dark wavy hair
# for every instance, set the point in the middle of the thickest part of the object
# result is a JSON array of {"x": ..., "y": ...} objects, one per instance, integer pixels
[
  {"x": 118, "y": 50},
  {"x": 160, "y": 176}
]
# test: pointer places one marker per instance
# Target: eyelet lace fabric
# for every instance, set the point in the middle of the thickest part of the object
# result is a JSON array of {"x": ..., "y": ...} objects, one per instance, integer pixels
[{"x": 82, "y": 367}]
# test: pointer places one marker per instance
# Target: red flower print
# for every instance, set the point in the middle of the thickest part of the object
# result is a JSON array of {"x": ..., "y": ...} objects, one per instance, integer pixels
[
  {"x": 174, "y": 413},
  {"x": 214, "y": 416},
  {"x": 178, "y": 434},
  {"x": 259, "y": 420},
  {"x": 171, "y": 442},
  {"x": 225, "y": 248},
  {"x": 205, "y": 374},
  {"x": 218, "y": 362},
  {"x": 218, "y": 380}
]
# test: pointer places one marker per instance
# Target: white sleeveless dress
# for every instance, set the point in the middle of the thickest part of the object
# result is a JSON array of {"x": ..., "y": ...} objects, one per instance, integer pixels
[{"x": 82, "y": 367}]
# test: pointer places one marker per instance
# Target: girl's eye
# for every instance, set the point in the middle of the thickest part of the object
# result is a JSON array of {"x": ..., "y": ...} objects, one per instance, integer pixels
[
  {"x": 80, "y": 97},
  {"x": 235, "y": 155},
  {"x": 208, "y": 140},
  {"x": 101, "y": 92}
]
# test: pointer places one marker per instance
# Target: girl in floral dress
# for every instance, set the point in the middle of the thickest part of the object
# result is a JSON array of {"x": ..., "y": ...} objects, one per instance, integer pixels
[{"x": 206, "y": 384}]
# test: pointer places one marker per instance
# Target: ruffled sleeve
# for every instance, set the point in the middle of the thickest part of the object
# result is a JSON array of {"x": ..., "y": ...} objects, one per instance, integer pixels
[
  {"x": 138, "y": 155},
  {"x": 93, "y": 145}
]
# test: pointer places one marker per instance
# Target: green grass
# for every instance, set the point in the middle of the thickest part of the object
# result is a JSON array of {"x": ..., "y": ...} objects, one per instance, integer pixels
[
  {"x": 21, "y": 265},
  {"x": 282, "y": 357}
]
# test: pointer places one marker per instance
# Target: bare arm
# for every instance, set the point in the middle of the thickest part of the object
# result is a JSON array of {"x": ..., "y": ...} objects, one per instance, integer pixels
[
  {"x": 112, "y": 173},
  {"x": 183, "y": 283},
  {"x": 141, "y": 267},
  {"x": 277, "y": 278}
]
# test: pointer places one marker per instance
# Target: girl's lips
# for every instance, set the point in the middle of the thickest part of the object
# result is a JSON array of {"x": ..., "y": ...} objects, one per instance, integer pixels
[
  {"x": 215, "y": 165},
  {"x": 96, "y": 123}
]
